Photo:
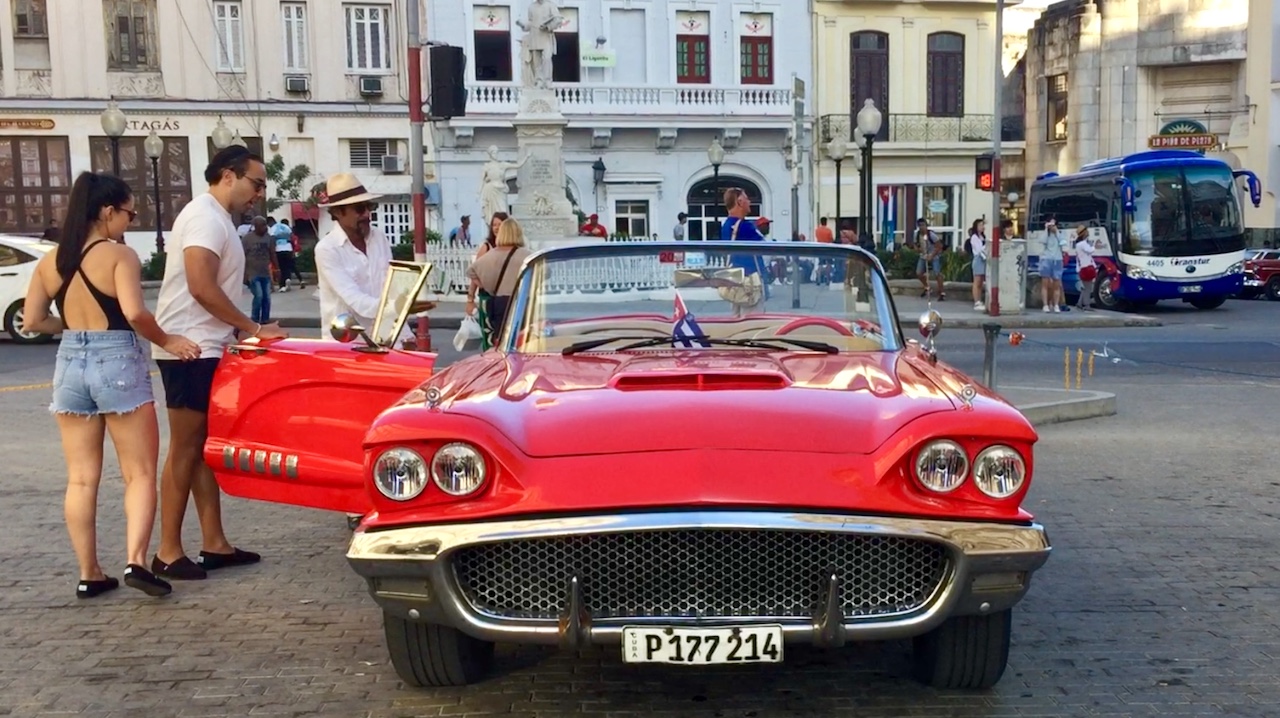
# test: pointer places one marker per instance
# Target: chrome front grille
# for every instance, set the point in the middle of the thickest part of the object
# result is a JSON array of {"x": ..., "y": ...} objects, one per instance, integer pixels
[{"x": 701, "y": 573}]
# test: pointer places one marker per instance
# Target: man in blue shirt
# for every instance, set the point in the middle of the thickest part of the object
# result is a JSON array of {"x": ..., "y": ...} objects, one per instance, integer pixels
[{"x": 738, "y": 229}]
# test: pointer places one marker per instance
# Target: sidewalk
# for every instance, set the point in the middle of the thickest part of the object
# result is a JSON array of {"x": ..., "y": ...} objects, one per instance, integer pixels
[{"x": 300, "y": 308}]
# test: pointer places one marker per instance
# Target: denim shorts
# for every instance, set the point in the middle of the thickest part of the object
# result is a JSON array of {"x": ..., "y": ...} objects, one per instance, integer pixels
[
  {"x": 103, "y": 372},
  {"x": 936, "y": 262},
  {"x": 979, "y": 265},
  {"x": 1051, "y": 268}
]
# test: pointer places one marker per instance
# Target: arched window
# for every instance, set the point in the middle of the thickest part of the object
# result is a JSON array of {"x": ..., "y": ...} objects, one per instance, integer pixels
[
  {"x": 946, "y": 74},
  {"x": 869, "y": 75},
  {"x": 706, "y": 204}
]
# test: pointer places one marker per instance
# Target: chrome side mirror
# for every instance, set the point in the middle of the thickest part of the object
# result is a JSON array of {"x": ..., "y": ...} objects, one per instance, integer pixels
[
  {"x": 345, "y": 328},
  {"x": 930, "y": 326}
]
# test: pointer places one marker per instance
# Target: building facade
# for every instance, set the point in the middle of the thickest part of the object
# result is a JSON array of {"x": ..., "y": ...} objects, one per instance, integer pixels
[
  {"x": 1112, "y": 77},
  {"x": 1262, "y": 87},
  {"x": 320, "y": 83},
  {"x": 930, "y": 69},
  {"x": 646, "y": 86}
]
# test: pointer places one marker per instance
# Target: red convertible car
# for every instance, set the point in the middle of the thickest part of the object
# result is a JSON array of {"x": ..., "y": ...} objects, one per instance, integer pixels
[{"x": 699, "y": 457}]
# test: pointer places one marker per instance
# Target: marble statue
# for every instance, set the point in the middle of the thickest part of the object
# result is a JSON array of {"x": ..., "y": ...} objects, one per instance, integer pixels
[
  {"x": 538, "y": 45},
  {"x": 493, "y": 183}
]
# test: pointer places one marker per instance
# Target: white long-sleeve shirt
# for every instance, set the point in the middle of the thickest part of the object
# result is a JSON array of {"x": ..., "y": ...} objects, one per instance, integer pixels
[{"x": 350, "y": 280}]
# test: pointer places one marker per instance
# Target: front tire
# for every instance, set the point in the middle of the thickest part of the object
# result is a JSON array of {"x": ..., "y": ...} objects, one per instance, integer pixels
[
  {"x": 1103, "y": 297},
  {"x": 13, "y": 318},
  {"x": 1207, "y": 302},
  {"x": 967, "y": 652},
  {"x": 427, "y": 655},
  {"x": 1273, "y": 289}
]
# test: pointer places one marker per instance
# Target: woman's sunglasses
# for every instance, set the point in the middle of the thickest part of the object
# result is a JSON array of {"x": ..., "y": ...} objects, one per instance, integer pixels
[{"x": 133, "y": 214}]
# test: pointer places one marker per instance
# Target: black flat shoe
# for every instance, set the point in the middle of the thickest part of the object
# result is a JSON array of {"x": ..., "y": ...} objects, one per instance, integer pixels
[
  {"x": 89, "y": 589},
  {"x": 184, "y": 569},
  {"x": 140, "y": 578},
  {"x": 210, "y": 561}
]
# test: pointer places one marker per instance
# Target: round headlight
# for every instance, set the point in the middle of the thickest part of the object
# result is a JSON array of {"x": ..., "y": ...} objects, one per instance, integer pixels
[
  {"x": 942, "y": 466},
  {"x": 999, "y": 471},
  {"x": 458, "y": 469},
  {"x": 400, "y": 474}
]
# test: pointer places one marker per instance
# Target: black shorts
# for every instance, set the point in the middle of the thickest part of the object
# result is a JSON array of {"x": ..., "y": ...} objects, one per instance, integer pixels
[{"x": 187, "y": 384}]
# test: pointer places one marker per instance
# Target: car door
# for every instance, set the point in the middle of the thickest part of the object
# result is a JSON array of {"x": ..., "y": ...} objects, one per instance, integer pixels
[{"x": 287, "y": 418}]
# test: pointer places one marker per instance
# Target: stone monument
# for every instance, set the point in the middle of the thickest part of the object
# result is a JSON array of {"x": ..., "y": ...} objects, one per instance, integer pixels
[{"x": 541, "y": 205}]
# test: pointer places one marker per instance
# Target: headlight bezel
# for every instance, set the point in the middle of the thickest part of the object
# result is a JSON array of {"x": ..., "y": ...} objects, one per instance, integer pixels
[
  {"x": 980, "y": 462},
  {"x": 402, "y": 454},
  {"x": 443, "y": 483},
  {"x": 938, "y": 444}
]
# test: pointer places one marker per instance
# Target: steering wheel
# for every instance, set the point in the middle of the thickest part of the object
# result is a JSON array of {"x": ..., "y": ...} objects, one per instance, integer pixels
[{"x": 802, "y": 322}]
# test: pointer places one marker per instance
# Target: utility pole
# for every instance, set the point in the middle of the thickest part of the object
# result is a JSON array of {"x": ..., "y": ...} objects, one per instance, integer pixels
[
  {"x": 414, "y": 22},
  {"x": 797, "y": 136},
  {"x": 993, "y": 267}
]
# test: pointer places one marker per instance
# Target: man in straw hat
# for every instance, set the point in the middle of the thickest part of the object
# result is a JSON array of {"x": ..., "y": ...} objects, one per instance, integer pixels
[{"x": 354, "y": 258}]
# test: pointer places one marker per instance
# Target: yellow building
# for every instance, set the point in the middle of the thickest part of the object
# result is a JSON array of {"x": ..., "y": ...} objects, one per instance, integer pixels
[
  {"x": 1261, "y": 126},
  {"x": 930, "y": 69}
]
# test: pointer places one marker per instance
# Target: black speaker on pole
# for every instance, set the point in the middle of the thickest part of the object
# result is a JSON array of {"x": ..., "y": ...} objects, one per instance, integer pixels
[{"x": 448, "y": 87}]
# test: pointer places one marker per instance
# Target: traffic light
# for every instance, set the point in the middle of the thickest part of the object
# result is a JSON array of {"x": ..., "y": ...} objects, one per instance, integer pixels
[{"x": 984, "y": 173}]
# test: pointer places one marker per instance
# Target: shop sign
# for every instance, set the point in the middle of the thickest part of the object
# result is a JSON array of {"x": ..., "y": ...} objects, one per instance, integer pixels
[
  {"x": 1183, "y": 135},
  {"x": 168, "y": 124},
  {"x": 23, "y": 123},
  {"x": 598, "y": 58}
]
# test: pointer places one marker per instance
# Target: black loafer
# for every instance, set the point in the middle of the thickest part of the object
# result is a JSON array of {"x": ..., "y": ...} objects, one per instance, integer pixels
[
  {"x": 140, "y": 578},
  {"x": 210, "y": 560},
  {"x": 89, "y": 589},
  {"x": 184, "y": 569}
]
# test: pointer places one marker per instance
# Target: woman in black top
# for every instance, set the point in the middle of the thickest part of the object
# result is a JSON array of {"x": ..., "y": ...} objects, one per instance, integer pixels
[{"x": 101, "y": 381}]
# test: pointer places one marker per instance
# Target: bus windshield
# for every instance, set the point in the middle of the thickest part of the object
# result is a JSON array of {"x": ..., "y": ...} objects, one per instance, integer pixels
[{"x": 1184, "y": 211}]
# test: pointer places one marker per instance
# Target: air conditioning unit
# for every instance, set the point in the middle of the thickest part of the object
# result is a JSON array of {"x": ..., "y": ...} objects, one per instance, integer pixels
[
  {"x": 392, "y": 164},
  {"x": 297, "y": 83},
  {"x": 370, "y": 86}
]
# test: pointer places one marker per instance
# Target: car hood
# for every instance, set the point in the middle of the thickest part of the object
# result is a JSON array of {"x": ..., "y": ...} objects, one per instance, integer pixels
[{"x": 598, "y": 403}]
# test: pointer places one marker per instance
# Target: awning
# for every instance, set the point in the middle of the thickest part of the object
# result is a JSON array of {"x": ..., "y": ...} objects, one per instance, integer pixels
[{"x": 300, "y": 211}]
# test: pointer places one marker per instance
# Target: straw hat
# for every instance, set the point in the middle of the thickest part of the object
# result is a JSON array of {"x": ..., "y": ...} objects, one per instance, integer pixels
[{"x": 344, "y": 188}]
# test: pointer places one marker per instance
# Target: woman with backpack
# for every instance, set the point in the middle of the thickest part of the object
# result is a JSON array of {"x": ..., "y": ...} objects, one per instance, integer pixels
[
  {"x": 977, "y": 247},
  {"x": 493, "y": 278}
]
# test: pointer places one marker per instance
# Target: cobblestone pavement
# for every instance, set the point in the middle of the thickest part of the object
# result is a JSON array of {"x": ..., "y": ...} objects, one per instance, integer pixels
[{"x": 1160, "y": 599}]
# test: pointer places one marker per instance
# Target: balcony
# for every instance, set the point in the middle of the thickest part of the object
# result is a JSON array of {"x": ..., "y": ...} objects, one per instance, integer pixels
[
  {"x": 500, "y": 98},
  {"x": 927, "y": 130}
]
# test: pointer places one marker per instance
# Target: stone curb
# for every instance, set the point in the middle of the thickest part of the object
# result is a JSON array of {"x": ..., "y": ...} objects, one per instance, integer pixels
[{"x": 1076, "y": 404}]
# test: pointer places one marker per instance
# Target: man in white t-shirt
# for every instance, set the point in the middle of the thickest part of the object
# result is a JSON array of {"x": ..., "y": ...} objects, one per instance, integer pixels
[{"x": 205, "y": 268}]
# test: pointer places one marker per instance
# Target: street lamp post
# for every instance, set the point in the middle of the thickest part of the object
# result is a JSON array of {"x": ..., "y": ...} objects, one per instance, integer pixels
[
  {"x": 221, "y": 136},
  {"x": 860, "y": 160},
  {"x": 597, "y": 174},
  {"x": 836, "y": 150},
  {"x": 154, "y": 147},
  {"x": 113, "y": 123},
  {"x": 869, "y": 120},
  {"x": 715, "y": 155}
]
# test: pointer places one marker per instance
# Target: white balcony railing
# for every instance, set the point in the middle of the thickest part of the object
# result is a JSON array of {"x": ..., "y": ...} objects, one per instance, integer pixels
[{"x": 501, "y": 98}]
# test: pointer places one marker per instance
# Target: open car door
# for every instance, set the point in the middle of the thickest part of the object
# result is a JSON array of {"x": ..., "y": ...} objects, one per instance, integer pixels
[{"x": 287, "y": 418}]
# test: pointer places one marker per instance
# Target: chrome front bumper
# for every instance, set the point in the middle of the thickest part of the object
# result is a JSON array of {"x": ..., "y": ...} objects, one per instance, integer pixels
[{"x": 410, "y": 574}]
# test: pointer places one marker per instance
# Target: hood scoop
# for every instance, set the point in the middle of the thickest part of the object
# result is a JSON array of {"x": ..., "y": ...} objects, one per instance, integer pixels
[{"x": 700, "y": 381}]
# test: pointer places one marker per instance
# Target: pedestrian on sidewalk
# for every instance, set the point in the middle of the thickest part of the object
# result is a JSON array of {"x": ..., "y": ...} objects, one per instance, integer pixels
[
  {"x": 205, "y": 268},
  {"x": 101, "y": 379},
  {"x": 259, "y": 267},
  {"x": 287, "y": 248},
  {"x": 1050, "y": 265},
  {"x": 493, "y": 281},
  {"x": 978, "y": 251},
  {"x": 1086, "y": 269},
  {"x": 930, "y": 257}
]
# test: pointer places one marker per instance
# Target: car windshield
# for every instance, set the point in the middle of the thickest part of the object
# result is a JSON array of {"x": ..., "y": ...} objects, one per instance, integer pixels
[{"x": 739, "y": 296}]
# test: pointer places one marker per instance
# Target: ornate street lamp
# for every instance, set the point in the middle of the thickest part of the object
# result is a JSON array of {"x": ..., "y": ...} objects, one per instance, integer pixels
[
  {"x": 836, "y": 150},
  {"x": 860, "y": 160},
  {"x": 154, "y": 147},
  {"x": 113, "y": 123},
  {"x": 715, "y": 155},
  {"x": 869, "y": 120},
  {"x": 239, "y": 141},
  {"x": 221, "y": 136},
  {"x": 597, "y": 175}
]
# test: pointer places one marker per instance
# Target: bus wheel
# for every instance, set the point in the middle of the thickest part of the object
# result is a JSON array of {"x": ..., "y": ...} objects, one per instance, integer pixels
[
  {"x": 1207, "y": 302},
  {"x": 1273, "y": 289},
  {"x": 1105, "y": 298}
]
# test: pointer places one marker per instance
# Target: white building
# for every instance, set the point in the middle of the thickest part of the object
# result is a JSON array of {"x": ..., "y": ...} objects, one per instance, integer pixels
[
  {"x": 319, "y": 82},
  {"x": 646, "y": 86}
]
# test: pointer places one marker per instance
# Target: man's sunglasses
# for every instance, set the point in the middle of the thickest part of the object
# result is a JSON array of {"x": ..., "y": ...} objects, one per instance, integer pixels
[
  {"x": 258, "y": 185},
  {"x": 363, "y": 207}
]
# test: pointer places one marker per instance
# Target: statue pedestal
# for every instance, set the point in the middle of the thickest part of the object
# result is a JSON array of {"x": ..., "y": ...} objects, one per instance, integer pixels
[{"x": 542, "y": 206}]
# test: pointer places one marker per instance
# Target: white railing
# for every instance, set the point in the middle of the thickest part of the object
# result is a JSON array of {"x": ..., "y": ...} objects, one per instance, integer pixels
[
  {"x": 502, "y": 98},
  {"x": 596, "y": 275}
]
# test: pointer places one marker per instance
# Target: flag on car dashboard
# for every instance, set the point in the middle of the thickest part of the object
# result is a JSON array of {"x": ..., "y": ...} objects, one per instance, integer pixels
[{"x": 686, "y": 331}]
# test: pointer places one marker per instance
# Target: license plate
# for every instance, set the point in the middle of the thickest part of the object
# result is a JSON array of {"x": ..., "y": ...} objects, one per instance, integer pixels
[
  {"x": 702, "y": 646},
  {"x": 1194, "y": 289}
]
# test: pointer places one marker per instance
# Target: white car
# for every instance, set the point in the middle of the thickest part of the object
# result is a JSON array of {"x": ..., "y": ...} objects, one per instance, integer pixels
[{"x": 18, "y": 257}]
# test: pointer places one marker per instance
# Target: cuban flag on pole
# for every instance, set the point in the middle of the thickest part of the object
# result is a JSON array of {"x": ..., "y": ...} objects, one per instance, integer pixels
[{"x": 686, "y": 331}]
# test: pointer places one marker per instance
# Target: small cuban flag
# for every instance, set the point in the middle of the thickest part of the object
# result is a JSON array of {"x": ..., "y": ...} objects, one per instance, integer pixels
[{"x": 686, "y": 331}]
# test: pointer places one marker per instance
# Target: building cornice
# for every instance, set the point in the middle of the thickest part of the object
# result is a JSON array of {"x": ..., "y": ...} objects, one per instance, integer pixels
[{"x": 46, "y": 106}]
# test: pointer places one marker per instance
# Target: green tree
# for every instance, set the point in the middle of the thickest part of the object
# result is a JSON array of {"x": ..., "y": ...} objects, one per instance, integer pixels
[{"x": 288, "y": 181}]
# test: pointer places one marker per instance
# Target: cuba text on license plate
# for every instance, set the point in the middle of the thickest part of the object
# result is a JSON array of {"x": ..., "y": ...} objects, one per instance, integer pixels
[{"x": 702, "y": 646}]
